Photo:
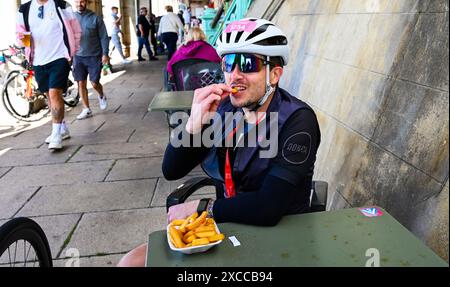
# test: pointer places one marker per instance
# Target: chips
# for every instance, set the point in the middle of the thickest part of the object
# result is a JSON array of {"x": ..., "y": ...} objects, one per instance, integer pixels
[{"x": 194, "y": 231}]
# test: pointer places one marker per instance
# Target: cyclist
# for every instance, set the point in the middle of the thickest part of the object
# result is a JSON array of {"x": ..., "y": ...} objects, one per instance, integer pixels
[
  {"x": 55, "y": 38},
  {"x": 258, "y": 190}
]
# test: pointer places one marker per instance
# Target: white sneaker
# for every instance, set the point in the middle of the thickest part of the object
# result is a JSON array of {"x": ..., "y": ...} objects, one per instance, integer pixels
[
  {"x": 125, "y": 61},
  {"x": 55, "y": 141},
  {"x": 103, "y": 103},
  {"x": 85, "y": 113},
  {"x": 64, "y": 135}
]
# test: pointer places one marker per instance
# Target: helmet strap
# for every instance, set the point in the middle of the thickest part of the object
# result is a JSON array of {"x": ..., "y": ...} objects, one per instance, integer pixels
[{"x": 269, "y": 88}]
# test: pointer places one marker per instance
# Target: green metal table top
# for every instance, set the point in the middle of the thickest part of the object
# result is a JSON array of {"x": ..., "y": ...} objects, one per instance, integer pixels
[
  {"x": 336, "y": 238},
  {"x": 171, "y": 101}
]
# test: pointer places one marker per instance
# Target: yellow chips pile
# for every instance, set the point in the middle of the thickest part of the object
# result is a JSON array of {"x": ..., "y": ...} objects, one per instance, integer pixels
[{"x": 194, "y": 231}]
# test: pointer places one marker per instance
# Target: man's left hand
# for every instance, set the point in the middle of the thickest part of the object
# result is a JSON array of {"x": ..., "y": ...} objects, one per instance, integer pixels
[{"x": 183, "y": 210}]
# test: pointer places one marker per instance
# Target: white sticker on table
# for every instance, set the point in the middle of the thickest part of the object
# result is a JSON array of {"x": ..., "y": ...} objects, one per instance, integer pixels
[{"x": 234, "y": 240}]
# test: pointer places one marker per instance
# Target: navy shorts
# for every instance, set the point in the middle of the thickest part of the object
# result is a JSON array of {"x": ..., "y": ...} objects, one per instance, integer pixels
[
  {"x": 53, "y": 75},
  {"x": 82, "y": 66}
]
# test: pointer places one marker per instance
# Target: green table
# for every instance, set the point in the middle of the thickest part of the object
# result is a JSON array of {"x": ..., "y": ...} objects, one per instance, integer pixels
[
  {"x": 334, "y": 238},
  {"x": 172, "y": 101}
]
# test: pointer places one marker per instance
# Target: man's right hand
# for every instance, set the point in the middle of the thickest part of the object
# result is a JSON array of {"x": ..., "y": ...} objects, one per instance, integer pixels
[
  {"x": 20, "y": 35},
  {"x": 206, "y": 100}
]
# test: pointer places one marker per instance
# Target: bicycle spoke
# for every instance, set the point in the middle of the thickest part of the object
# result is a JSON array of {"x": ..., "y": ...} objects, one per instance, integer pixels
[
  {"x": 9, "y": 255},
  {"x": 29, "y": 249},
  {"x": 15, "y": 253},
  {"x": 24, "y": 253}
]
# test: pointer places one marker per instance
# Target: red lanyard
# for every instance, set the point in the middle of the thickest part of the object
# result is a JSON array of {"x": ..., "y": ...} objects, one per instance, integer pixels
[{"x": 230, "y": 190}]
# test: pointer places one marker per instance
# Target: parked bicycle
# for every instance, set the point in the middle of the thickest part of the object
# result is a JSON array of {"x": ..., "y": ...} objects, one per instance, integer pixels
[{"x": 20, "y": 94}]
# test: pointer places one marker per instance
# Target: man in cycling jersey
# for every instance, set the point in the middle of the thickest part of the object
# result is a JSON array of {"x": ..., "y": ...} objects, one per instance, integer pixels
[{"x": 258, "y": 190}]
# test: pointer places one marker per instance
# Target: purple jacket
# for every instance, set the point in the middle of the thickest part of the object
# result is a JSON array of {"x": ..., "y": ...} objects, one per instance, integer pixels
[{"x": 193, "y": 50}]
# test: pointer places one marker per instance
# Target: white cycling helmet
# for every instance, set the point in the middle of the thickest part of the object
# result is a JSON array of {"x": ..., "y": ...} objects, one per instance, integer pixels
[{"x": 254, "y": 36}]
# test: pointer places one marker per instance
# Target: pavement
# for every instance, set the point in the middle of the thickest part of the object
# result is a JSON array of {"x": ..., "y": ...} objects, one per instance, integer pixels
[{"x": 104, "y": 192}]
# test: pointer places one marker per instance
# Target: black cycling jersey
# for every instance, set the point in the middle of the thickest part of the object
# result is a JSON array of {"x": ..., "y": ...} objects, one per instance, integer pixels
[{"x": 279, "y": 193}]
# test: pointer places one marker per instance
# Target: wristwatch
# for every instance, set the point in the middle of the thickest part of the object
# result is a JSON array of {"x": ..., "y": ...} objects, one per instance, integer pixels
[{"x": 203, "y": 205}]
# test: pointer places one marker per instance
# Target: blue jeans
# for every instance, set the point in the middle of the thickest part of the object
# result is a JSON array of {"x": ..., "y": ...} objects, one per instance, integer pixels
[
  {"x": 170, "y": 39},
  {"x": 144, "y": 41}
]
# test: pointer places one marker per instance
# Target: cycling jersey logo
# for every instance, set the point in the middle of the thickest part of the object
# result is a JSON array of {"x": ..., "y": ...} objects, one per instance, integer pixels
[{"x": 297, "y": 148}]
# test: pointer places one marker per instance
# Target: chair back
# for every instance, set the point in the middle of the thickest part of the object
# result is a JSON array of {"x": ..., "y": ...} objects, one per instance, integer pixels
[{"x": 192, "y": 74}]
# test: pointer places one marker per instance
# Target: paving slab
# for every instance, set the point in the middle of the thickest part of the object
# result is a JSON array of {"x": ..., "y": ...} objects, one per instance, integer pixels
[
  {"x": 140, "y": 168},
  {"x": 25, "y": 157},
  {"x": 99, "y": 137},
  {"x": 57, "y": 229},
  {"x": 116, "y": 231},
  {"x": 93, "y": 261},
  {"x": 148, "y": 134},
  {"x": 4, "y": 170},
  {"x": 118, "y": 151},
  {"x": 69, "y": 173},
  {"x": 63, "y": 199},
  {"x": 12, "y": 198}
]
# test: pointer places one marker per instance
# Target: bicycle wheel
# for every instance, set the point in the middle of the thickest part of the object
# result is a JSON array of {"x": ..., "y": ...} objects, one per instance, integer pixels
[
  {"x": 18, "y": 105},
  {"x": 24, "y": 244}
]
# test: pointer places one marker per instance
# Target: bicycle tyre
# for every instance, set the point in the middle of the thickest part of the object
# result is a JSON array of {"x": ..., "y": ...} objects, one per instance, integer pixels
[
  {"x": 11, "y": 73},
  {"x": 23, "y": 228},
  {"x": 28, "y": 117}
]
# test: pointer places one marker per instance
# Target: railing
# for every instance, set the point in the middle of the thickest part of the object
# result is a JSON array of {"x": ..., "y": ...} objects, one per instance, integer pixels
[{"x": 237, "y": 10}]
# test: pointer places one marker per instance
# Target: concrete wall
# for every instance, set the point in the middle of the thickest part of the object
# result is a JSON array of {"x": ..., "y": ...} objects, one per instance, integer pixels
[{"x": 376, "y": 73}]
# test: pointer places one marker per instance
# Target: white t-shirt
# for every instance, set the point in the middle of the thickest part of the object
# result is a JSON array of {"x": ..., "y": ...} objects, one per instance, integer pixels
[
  {"x": 170, "y": 23},
  {"x": 47, "y": 34}
]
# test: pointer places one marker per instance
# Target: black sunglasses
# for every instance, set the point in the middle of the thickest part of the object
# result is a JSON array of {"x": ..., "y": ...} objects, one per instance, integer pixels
[
  {"x": 41, "y": 12},
  {"x": 247, "y": 63}
]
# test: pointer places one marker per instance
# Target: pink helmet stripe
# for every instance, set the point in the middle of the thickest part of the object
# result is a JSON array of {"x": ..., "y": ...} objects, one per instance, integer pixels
[{"x": 241, "y": 26}]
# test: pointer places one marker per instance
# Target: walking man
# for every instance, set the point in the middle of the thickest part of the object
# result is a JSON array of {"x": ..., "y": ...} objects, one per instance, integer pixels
[
  {"x": 143, "y": 32},
  {"x": 55, "y": 38},
  {"x": 169, "y": 28},
  {"x": 92, "y": 55},
  {"x": 115, "y": 31}
]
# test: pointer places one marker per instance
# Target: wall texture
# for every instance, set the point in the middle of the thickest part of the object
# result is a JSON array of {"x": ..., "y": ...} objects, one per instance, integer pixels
[{"x": 376, "y": 72}]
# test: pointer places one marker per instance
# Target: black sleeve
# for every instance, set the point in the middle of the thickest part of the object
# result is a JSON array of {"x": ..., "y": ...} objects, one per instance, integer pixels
[
  {"x": 179, "y": 161},
  {"x": 297, "y": 147}
]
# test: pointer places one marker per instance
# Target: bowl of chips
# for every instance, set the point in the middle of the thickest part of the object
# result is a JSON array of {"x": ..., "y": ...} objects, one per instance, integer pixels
[{"x": 193, "y": 234}]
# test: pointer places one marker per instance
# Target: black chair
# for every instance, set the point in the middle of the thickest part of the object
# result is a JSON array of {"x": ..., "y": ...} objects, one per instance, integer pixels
[
  {"x": 318, "y": 200},
  {"x": 192, "y": 74}
]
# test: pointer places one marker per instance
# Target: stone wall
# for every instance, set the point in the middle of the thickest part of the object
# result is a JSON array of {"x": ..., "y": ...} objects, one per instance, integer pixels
[{"x": 376, "y": 73}]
